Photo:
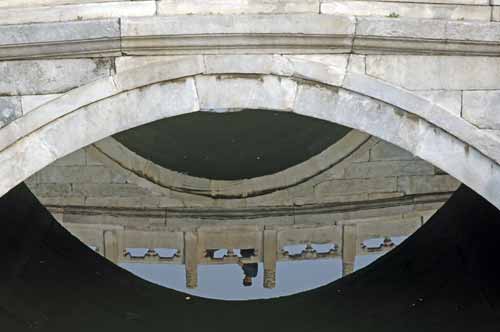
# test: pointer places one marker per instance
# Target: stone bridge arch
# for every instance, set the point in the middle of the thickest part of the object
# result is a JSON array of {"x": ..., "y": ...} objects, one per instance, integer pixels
[{"x": 163, "y": 89}]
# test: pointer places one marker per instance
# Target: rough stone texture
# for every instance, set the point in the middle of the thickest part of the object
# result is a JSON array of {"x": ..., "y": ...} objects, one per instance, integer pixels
[
  {"x": 179, "y": 7},
  {"x": 482, "y": 108},
  {"x": 235, "y": 24},
  {"x": 355, "y": 186},
  {"x": 421, "y": 10},
  {"x": 422, "y": 184},
  {"x": 34, "y": 77},
  {"x": 77, "y": 12},
  {"x": 268, "y": 92},
  {"x": 449, "y": 100},
  {"x": 436, "y": 72},
  {"x": 384, "y": 151},
  {"x": 36, "y": 3},
  {"x": 496, "y": 13},
  {"x": 103, "y": 184},
  {"x": 10, "y": 109},
  {"x": 31, "y": 102},
  {"x": 58, "y": 32}
]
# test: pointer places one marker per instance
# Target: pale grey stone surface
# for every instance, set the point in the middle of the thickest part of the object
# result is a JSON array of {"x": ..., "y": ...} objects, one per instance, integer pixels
[
  {"x": 398, "y": 27},
  {"x": 10, "y": 109},
  {"x": 495, "y": 15},
  {"x": 59, "y": 32},
  {"x": 421, "y": 184},
  {"x": 31, "y": 102},
  {"x": 37, "y": 3},
  {"x": 449, "y": 100},
  {"x": 416, "y": 72},
  {"x": 385, "y": 151},
  {"x": 482, "y": 108},
  {"x": 236, "y": 24},
  {"x": 33, "y": 77},
  {"x": 267, "y": 92},
  {"x": 420, "y": 10},
  {"x": 355, "y": 186},
  {"x": 77, "y": 12},
  {"x": 179, "y": 7},
  {"x": 388, "y": 168}
]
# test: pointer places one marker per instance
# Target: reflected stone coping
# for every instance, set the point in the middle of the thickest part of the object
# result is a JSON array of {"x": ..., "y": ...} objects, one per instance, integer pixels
[{"x": 124, "y": 158}]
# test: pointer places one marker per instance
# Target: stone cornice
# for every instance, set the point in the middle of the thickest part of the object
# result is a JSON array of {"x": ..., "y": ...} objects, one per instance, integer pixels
[{"x": 226, "y": 34}]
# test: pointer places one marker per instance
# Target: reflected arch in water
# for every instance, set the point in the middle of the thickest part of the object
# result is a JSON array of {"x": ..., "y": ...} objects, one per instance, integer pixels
[{"x": 132, "y": 98}]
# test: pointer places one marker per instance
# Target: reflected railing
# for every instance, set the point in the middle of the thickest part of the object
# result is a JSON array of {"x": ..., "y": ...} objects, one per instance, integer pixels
[{"x": 246, "y": 245}]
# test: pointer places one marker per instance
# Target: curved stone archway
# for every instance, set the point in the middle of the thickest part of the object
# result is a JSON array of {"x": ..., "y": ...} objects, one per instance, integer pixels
[
  {"x": 124, "y": 158},
  {"x": 100, "y": 109}
]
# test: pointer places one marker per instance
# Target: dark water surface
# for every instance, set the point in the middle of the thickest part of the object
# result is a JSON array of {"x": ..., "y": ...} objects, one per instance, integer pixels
[{"x": 442, "y": 278}]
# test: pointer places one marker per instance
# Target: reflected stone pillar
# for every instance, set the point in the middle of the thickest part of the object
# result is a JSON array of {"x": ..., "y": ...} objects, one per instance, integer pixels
[
  {"x": 191, "y": 259},
  {"x": 349, "y": 239},
  {"x": 270, "y": 257},
  {"x": 110, "y": 245}
]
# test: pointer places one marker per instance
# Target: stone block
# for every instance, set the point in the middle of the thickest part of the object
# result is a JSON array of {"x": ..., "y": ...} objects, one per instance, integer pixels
[
  {"x": 51, "y": 190},
  {"x": 375, "y": 169},
  {"x": 35, "y": 77},
  {"x": 124, "y": 63},
  {"x": 237, "y": 24},
  {"x": 319, "y": 100},
  {"x": 236, "y": 92},
  {"x": 75, "y": 174},
  {"x": 183, "y": 7},
  {"x": 77, "y": 12},
  {"x": 482, "y": 108},
  {"x": 108, "y": 190},
  {"x": 495, "y": 16},
  {"x": 38, "y": 3},
  {"x": 77, "y": 158},
  {"x": 355, "y": 186},
  {"x": 10, "y": 109},
  {"x": 414, "y": 72},
  {"x": 401, "y": 9},
  {"x": 449, "y": 100},
  {"x": 401, "y": 28},
  {"x": 29, "y": 103},
  {"x": 412, "y": 185},
  {"x": 388, "y": 151},
  {"x": 473, "y": 31}
]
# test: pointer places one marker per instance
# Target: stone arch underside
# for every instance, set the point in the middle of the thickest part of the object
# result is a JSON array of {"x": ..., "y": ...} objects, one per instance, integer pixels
[{"x": 208, "y": 83}]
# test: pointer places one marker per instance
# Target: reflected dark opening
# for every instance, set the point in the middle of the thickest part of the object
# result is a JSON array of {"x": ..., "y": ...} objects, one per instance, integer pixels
[{"x": 231, "y": 146}]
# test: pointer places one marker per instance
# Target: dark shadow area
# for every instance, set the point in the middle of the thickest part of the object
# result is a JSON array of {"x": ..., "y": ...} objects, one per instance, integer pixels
[
  {"x": 232, "y": 146},
  {"x": 445, "y": 277}
]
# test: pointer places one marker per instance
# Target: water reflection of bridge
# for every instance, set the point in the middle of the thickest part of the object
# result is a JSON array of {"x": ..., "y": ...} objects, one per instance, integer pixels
[{"x": 188, "y": 245}]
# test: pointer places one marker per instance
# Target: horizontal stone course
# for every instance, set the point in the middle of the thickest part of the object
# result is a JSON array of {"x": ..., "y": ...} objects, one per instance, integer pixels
[
  {"x": 33, "y": 77},
  {"x": 59, "y": 32},
  {"x": 237, "y": 24},
  {"x": 355, "y": 186},
  {"x": 10, "y": 109},
  {"x": 482, "y": 108},
  {"x": 77, "y": 12},
  {"x": 411, "y": 185},
  {"x": 38, "y": 3},
  {"x": 182, "y": 7},
  {"x": 416, "y": 72},
  {"x": 400, "y": 9}
]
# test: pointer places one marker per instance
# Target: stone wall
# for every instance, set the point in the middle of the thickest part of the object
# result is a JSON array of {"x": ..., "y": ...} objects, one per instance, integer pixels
[
  {"x": 67, "y": 10},
  {"x": 377, "y": 179}
]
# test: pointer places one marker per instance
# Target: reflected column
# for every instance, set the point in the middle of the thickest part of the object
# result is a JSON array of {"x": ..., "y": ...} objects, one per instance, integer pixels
[
  {"x": 191, "y": 259},
  {"x": 349, "y": 239},
  {"x": 270, "y": 257},
  {"x": 110, "y": 245}
]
